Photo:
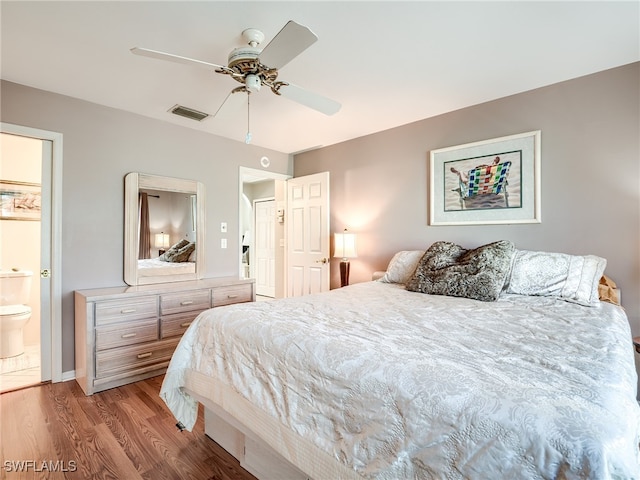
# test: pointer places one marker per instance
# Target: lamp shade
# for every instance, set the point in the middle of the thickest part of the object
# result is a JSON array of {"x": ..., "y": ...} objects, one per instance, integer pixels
[
  {"x": 345, "y": 245},
  {"x": 162, "y": 240}
]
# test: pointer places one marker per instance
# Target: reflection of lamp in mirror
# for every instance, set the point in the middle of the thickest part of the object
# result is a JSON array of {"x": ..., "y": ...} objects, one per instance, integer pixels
[
  {"x": 162, "y": 242},
  {"x": 345, "y": 248}
]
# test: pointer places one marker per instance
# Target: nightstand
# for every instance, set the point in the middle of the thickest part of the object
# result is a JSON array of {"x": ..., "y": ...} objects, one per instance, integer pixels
[{"x": 636, "y": 343}]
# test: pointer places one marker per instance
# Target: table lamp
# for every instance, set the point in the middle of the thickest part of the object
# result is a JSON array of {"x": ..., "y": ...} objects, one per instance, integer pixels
[{"x": 345, "y": 248}]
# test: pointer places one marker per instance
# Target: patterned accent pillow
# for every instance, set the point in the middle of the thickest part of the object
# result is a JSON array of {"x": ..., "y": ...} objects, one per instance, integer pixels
[
  {"x": 402, "y": 266},
  {"x": 573, "y": 278},
  {"x": 180, "y": 255},
  {"x": 172, "y": 249},
  {"x": 449, "y": 269}
]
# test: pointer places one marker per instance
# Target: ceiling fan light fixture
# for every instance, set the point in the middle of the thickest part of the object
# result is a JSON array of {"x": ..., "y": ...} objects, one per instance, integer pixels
[{"x": 253, "y": 84}]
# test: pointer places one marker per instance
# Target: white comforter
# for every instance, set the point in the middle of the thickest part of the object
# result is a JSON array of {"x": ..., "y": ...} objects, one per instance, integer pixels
[
  {"x": 397, "y": 384},
  {"x": 150, "y": 267}
]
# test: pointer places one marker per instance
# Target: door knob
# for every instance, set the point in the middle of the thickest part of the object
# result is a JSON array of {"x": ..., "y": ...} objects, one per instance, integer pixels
[{"x": 324, "y": 260}]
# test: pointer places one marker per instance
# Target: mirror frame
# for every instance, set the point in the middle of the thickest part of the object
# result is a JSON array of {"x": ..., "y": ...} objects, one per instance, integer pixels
[{"x": 133, "y": 183}]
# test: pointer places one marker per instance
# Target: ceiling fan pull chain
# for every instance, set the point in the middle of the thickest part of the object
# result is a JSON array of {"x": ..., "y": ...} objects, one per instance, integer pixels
[{"x": 247, "y": 139}]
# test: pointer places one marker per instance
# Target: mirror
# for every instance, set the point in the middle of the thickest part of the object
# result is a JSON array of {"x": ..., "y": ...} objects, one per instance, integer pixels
[{"x": 163, "y": 229}]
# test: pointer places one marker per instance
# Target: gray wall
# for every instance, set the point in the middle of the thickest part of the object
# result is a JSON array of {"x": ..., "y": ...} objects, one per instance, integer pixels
[
  {"x": 590, "y": 178},
  {"x": 101, "y": 145}
]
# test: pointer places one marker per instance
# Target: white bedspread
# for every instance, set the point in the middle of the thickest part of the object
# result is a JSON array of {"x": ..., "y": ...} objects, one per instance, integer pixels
[
  {"x": 397, "y": 384},
  {"x": 150, "y": 267}
]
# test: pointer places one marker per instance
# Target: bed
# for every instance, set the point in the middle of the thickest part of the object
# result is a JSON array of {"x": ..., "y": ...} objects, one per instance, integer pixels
[
  {"x": 382, "y": 380},
  {"x": 151, "y": 267},
  {"x": 179, "y": 259}
]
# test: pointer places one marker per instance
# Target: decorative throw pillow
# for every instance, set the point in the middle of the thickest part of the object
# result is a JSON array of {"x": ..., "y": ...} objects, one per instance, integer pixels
[
  {"x": 449, "y": 269},
  {"x": 173, "y": 249},
  {"x": 182, "y": 254},
  {"x": 608, "y": 291},
  {"x": 402, "y": 266},
  {"x": 573, "y": 278}
]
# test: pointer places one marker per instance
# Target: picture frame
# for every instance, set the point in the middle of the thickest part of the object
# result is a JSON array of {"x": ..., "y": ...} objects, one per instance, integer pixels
[
  {"x": 494, "y": 181},
  {"x": 20, "y": 200}
]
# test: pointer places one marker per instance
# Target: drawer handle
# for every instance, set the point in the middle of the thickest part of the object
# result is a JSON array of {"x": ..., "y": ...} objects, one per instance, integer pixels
[
  {"x": 128, "y": 310},
  {"x": 144, "y": 355},
  {"x": 186, "y": 302},
  {"x": 128, "y": 335},
  {"x": 185, "y": 324},
  {"x": 232, "y": 296}
]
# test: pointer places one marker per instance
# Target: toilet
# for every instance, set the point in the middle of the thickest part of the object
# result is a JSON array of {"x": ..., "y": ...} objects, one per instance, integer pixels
[{"x": 15, "y": 288}]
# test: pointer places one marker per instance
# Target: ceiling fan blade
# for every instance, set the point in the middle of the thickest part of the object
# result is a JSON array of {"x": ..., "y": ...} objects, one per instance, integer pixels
[
  {"x": 290, "y": 42},
  {"x": 178, "y": 59},
  {"x": 312, "y": 100}
]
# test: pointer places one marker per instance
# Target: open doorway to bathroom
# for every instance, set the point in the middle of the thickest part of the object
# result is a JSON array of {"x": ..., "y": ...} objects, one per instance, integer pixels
[
  {"x": 47, "y": 274},
  {"x": 20, "y": 260}
]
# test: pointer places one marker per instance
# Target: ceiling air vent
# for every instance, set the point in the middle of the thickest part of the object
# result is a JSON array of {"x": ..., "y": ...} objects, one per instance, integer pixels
[{"x": 188, "y": 113}]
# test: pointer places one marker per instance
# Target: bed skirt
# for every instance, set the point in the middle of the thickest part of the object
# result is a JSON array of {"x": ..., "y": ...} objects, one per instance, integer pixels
[{"x": 262, "y": 445}]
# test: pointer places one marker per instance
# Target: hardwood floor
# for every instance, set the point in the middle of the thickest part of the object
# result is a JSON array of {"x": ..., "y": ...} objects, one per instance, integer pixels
[{"x": 124, "y": 433}]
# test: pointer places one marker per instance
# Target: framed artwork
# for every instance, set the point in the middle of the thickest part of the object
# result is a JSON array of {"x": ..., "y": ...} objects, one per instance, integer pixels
[
  {"x": 20, "y": 200},
  {"x": 494, "y": 181}
]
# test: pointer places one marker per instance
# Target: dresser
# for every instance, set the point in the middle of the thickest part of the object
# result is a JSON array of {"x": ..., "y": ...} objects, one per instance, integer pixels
[{"x": 126, "y": 334}]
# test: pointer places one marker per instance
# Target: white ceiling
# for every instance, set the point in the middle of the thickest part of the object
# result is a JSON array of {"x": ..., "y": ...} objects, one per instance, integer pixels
[{"x": 388, "y": 63}]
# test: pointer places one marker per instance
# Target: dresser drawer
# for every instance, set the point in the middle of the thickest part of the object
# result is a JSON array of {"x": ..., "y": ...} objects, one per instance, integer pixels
[
  {"x": 185, "y": 301},
  {"x": 232, "y": 294},
  {"x": 129, "y": 333},
  {"x": 118, "y": 360},
  {"x": 113, "y": 311},
  {"x": 176, "y": 324}
]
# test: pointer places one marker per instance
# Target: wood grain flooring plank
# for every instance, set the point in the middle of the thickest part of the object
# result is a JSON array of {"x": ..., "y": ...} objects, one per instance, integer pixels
[
  {"x": 111, "y": 448},
  {"x": 36, "y": 431},
  {"x": 77, "y": 437},
  {"x": 133, "y": 442},
  {"x": 122, "y": 433},
  {"x": 163, "y": 441},
  {"x": 13, "y": 451},
  {"x": 149, "y": 393}
]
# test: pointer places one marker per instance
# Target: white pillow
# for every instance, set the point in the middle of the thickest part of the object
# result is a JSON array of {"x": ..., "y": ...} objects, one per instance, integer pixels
[
  {"x": 402, "y": 266},
  {"x": 572, "y": 278}
]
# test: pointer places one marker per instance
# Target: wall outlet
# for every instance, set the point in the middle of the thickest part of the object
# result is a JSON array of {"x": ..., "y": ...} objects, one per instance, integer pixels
[
  {"x": 223, "y": 227},
  {"x": 223, "y": 243}
]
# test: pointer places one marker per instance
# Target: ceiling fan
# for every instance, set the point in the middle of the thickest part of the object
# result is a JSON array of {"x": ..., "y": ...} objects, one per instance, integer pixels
[{"x": 254, "y": 67}]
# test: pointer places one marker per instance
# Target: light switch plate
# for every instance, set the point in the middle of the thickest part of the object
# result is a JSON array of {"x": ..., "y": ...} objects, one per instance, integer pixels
[{"x": 223, "y": 227}]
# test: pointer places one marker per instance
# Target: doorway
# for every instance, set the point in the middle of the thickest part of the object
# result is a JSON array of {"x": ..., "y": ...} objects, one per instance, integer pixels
[
  {"x": 256, "y": 185},
  {"x": 42, "y": 357}
]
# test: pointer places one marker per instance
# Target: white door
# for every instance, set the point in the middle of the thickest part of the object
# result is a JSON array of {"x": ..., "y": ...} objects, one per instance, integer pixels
[
  {"x": 45, "y": 262},
  {"x": 307, "y": 222},
  {"x": 264, "y": 248}
]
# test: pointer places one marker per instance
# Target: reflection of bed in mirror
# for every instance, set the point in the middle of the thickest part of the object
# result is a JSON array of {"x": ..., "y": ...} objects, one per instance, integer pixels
[
  {"x": 178, "y": 259},
  {"x": 175, "y": 212},
  {"x": 149, "y": 267}
]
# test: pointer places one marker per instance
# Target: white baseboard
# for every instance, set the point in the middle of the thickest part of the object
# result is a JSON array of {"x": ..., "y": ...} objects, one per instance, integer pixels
[{"x": 70, "y": 375}]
